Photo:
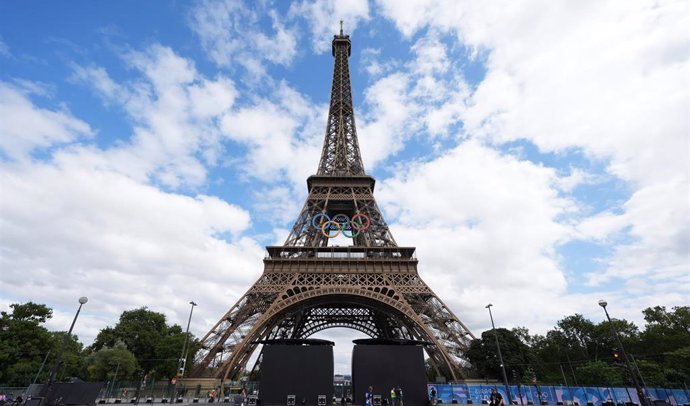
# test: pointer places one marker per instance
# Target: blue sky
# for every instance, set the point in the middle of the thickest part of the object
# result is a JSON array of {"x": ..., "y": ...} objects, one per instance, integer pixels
[{"x": 149, "y": 150}]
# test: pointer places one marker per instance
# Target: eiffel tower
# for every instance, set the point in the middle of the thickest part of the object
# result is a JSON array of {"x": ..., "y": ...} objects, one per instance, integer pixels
[{"x": 308, "y": 286}]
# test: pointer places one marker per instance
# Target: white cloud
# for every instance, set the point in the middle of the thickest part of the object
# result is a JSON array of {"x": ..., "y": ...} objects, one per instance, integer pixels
[
  {"x": 590, "y": 82},
  {"x": 73, "y": 231},
  {"x": 175, "y": 111},
  {"x": 487, "y": 227},
  {"x": 97, "y": 77},
  {"x": 422, "y": 97},
  {"x": 608, "y": 77},
  {"x": 577, "y": 177},
  {"x": 182, "y": 120},
  {"x": 87, "y": 221},
  {"x": 284, "y": 136},
  {"x": 280, "y": 49},
  {"x": 279, "y": 205},
  {"x": 439, "y": 86},
  {"x": 604, "y": 78},
  {"x": 26, "y": 127},
  {"x": 230, "y": 34},
  {"x": 601, "y": 226},
  {"x": 323, "y": 18},
  {"x": 480, "y": 236},
  {"x": 389, "y": 118},
  {"x": 430, "y": 55},
  {"x": 661, "y": 247},
  {"x": 370, "y": 61}
]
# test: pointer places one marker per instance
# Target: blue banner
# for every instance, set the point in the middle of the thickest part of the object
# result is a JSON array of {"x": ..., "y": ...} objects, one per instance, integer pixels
[{"x": 553, "y": 395}]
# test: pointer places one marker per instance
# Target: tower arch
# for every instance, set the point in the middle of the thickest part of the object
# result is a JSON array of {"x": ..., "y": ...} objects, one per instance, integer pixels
[{"x": 372, "y": 313}]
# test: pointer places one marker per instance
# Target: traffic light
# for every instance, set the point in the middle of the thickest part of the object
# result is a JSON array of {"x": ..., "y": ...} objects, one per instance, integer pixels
[{"x": 616, "y": 356}]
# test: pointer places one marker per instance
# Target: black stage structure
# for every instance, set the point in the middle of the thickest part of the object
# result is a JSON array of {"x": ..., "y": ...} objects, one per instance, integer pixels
[
  {"x": 385, "y": 364},
  {"x": 302, "y": 368}
]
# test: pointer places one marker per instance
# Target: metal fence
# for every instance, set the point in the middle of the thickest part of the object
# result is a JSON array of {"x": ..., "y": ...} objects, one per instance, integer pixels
[
  {"x": 524, "y": 395},
  {"x": 126, "y": 391}
]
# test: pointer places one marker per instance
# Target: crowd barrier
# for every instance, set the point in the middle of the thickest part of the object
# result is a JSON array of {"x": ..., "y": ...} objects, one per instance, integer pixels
[{"x": 554, "y": 395}]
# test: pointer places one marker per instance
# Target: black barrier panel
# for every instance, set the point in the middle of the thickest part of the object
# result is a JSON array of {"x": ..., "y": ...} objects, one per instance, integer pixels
[
  {"x": 70, "y": 393},
  {"x": 78, "y": 393},
  {"x": 305, "y": 371},
  {"x": 385, "y": 366}
]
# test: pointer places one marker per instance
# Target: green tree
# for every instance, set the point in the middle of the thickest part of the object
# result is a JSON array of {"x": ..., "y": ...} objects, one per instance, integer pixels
[
  {"x": 575, "y": 341},
  {"x": 677, "y": 366},
  {"x": 484, "y": 356},
  {"x": 155, "y": 345},
  {"x": 665, "y": 331},
  {"x": 662, "y": 350},
  {"x": 550, "y": 352},
  {"x": 597, "y": 373},
  {"x": 106, "y": 362},
  {"x": 140, "y": 330},
  {"x": 652, "y": 373},
  {"x": 24, "y": 342},
  {"x": 73, "y": 360},
  {"x": 168, "y": 351},
  {"x": 578, "y": 334}
]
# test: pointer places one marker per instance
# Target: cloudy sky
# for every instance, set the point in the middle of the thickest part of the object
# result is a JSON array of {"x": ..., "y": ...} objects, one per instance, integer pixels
[{"x": 536, "y": 153}]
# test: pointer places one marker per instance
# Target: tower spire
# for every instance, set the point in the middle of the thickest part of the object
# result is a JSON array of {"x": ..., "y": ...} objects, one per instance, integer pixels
[
  {"x": 340, "y": 155},
  {"x": 340, "y": 190}
]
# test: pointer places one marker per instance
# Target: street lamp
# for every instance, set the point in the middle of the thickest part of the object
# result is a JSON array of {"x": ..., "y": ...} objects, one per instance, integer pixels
[
  {"x": 183, "y": 356},
  {"x": 638, "y": 388},
  {"x": 53, "y": 373},
  {"x": 500, "y": 357},
  {"x": 185, "y": 350}
]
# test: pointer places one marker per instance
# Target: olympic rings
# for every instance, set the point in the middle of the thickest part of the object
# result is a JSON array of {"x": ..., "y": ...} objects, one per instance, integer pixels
[
  {"x": 360, "y": 226},
  {"x": 340, "y": 223}
]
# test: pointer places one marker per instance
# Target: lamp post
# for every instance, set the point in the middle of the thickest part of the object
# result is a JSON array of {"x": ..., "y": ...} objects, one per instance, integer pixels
[
  {"x": 638, "y": 388},
  {"x": 500, "y": 356},
  {"x": 185, "y": 350},
  {"x": 183, "y": 356},
  {"x": 53, "y": 373}
]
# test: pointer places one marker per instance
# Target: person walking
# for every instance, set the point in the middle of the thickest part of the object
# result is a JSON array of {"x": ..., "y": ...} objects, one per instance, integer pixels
[
  {"x": 432, "y": 396},
  {"x": 398, "y": 395},
  {"x": 496, "y": 399},
  {"x": 369, "y": 396}
]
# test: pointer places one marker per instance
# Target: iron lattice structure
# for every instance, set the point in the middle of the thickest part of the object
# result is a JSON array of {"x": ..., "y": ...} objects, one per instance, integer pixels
[{"x": 308, "y": 286}]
